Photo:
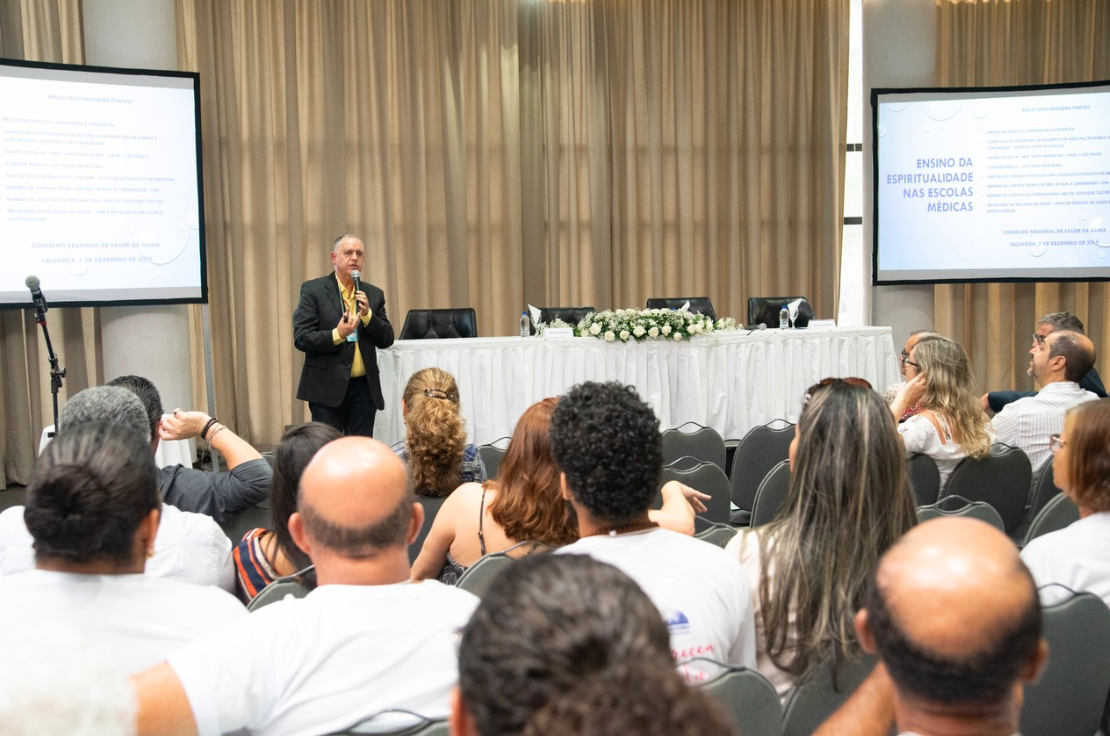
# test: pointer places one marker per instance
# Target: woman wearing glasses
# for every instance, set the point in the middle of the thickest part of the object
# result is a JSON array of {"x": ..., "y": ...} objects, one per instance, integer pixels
[
  {"x": 949, "y": 424},
  {"x": 849, "y": 501},
  {"x": 1079, "y": 556}
]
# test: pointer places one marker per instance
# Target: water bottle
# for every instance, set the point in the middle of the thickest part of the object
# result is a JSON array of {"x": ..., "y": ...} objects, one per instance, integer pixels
[
  {"x": 525, "y": 324},
  {"x": 784, "y": 318}
]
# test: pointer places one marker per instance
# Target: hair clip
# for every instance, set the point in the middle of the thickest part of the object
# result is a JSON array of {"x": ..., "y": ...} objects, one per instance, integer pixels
[{"x": 438, "y": 393}]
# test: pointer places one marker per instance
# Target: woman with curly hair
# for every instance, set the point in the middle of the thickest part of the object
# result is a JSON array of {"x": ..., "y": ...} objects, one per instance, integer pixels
[
  {"x": 435, "y": 447},
  {"x": 1078, "y": 556},
  {"x": 950, "y": 424},
  {"x": 849, "y": 501}
]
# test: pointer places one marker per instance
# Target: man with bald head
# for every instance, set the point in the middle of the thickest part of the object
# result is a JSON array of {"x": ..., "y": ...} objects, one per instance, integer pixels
[
  {"x": 1056, "y": 364},
  {"x": 366, "y": 641},
  {"x": 955, "y": 619}
]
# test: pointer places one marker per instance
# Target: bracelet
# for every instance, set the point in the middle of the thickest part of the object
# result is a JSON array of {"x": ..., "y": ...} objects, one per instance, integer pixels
[
  {"x": 208, "y": 426},
  {"x": 219, "y": 427}
]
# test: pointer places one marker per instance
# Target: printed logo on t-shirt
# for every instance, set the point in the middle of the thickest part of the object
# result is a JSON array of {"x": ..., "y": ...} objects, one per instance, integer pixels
[{"x": 677, "y": 623}]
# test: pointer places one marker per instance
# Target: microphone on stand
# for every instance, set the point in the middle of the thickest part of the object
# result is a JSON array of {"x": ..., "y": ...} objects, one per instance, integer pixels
[{"x": 32, "y": 282}]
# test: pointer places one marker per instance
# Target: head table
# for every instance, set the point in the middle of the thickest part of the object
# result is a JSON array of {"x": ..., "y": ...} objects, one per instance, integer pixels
[{"x": 731, "y": 381}]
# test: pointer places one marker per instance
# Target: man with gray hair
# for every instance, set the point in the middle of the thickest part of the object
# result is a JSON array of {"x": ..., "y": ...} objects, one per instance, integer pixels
[
  {"x": 994, "y": 401},
  {"x": 189, "y": 547}
]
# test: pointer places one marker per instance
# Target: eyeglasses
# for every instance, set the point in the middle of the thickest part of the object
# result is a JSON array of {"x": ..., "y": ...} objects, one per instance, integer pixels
[
  {"x": 904, "y": 356},
  {"x": 910, "y": 362},
  {"x": 1038, "y": 338},
  {"x": 1056, "y": 443}
]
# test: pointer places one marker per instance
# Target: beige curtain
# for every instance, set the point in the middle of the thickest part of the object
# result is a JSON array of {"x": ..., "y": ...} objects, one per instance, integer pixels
[
  {"x": 40, "y": 30},
  {"x": 491, "y": 152},
  {"x": 692, "y": 148},
  {"x": 1012, "y": 42}
]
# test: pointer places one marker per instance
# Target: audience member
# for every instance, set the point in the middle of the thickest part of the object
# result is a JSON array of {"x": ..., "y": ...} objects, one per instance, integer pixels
[
  {"x": 365, "y": 641},
  {"x": 1079, "y": 555},
  {"x": 93, "y": 511},
  {"x": 955, "y": 620},
  {"x": 849, "y": 501},
  {"x": 892, "y": 390},
  {"x": 523, "y": 505},
  {"x": 220, "y": 495},
  {"x": 1056, "y": 364},
  {"x": 264, "y": 555},
  {"x": 949, "y": 424},
  {"x": 190, "y": 547},
  {"x": 606, "y": 441},
  {"x": 55, "y": 681},
  {"x": 435, "y": 447},
  {"x": 569, "y": 646},
  {"x": 1046, "y": 325}
]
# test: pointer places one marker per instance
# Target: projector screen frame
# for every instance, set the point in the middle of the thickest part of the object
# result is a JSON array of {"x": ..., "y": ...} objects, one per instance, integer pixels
[
  {"x": 194, "y": 77},
  {"x": 945, "y": 91}
]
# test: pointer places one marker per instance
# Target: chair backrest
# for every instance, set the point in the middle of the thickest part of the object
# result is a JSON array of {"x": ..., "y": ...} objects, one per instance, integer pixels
[
  {"x": 704, "y": 443},
  {"x": 716, "y": 534},
  {"x": 437, "y": 727},
  {"x": 819, "y": 695},
  {"x": 259, "y": 516},
  {"x": 960, "y": 506},
  {"x": 1070, "y": 697},
  {"x": 761, "y": 449},
  {"x": 749, "y": 700},
  {"x": 771, "y": 495},
  {"x": 1060, "y": 512},
  {"x": 571, "y": 315},
  {"x": 491, "y": 456},
  {"x": 698, "y": 304},
  {"x": 765, "y": 310},
  {"x": 924, "y": 478},
  {"x": 1002, "y": 479},
  {"x": 707, "y": 478},
  {"x": 431, "y": 324},
  {"x": 1044, "y": 490},
  {"x": 478, "y": 576},
  {"x": 431, "y": 508},
  {"x": 276, "y": 591}
]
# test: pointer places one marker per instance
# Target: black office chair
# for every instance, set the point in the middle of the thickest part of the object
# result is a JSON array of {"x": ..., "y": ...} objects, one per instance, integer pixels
[
  {"x": 707, "y": 478},
  {"x": 432, "y": 324},
  {"x": 698, "y": 304},
  {"x": 431, "y": 508},
  {"x": 924, "y": 478},
  {"x": 765, "y": 310},
  {"x": 1001, "y": 479},
  {"x": 703, "y": 443},
  {"x": 571, "y": 315},
  {"x": 491, "y": 455},
  {"x": 761, "y": 449},
  {"x": 1059, "y": 513},
  {"x": 1044, "y": 491},
  {"x": 771, "y": 495}
]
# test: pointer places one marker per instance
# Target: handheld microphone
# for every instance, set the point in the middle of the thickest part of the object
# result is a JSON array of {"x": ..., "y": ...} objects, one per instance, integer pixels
[
  {"x": 32, "y": 282},
  {"x": 357, "y": 277}
]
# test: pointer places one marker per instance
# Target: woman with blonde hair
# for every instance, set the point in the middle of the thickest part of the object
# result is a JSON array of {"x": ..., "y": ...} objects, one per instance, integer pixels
[
  {"x": 849, "y": 501},
  {"x": 435, "y": 446},
  {"x": 950, "y": 424}
]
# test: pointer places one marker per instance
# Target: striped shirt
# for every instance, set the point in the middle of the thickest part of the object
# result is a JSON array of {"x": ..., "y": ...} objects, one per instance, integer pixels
[{"x": 1028, "y": 423}]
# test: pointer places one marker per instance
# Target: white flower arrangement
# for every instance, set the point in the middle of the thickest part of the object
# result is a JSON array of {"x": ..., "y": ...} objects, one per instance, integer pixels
[
  {"x": 541, "y": 327},
  {"x": 635, "y": 325}
]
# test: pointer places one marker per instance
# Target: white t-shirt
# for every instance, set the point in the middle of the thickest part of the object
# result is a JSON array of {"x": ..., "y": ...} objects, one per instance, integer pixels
[
  {"x": 328, "y": 661},
  {"x": 699, "y": 589},
  {"x": 138, "y": 619},
  {"x": 191, "y": 548},
  {"x": 920, "y": 435},
  {"x": 1077, "y": 556}
]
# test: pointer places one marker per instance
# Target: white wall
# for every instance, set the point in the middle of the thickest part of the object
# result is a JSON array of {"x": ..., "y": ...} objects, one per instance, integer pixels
[{"x": 899, "y": 50}]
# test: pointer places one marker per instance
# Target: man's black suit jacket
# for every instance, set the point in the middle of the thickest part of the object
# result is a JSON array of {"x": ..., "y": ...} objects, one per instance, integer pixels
[{"x": 327, "y": 367}]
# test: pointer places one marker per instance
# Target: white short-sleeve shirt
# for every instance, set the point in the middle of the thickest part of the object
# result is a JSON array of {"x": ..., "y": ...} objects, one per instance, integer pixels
[
  {"x": 139, "y": 620},
  {"x": 700, "y": 591},
  {"x": 323, "y": 663},
  {"x": 920, "y": 435},
  {"x": 1077, "y": 556},
  {"x": 191, "y": 548}
]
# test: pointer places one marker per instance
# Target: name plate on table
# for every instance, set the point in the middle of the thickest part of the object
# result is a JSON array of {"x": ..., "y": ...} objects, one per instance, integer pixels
[
  {"x": 822, "y": 324},
  {"x": 558, "y": 333}
]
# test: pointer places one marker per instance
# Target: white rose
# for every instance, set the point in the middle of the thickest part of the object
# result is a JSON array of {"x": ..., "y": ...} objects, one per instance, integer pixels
[
  {"x": 666, "y": 330},
  {"x": 595, "y": 329},
  {"x": 695, "y": 328},
  {"x": 609, "y": 336},
  {"x": 639, "y": 331},
  {"x": 653, "y": 332},
  {"x": 678, "y": 337},
  {"x": 625, "y": 334}
]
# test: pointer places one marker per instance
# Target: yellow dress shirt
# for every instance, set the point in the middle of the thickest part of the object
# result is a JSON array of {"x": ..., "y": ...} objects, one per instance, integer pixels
[{"x": 357, "y": 367}]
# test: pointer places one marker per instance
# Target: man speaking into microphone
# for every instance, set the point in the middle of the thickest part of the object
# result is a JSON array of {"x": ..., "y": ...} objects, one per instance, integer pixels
[{"x": 339, "y": 322}]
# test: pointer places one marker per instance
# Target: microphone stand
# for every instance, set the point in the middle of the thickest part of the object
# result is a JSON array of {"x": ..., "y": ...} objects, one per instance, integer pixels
[{"x": 56, "y": 373}]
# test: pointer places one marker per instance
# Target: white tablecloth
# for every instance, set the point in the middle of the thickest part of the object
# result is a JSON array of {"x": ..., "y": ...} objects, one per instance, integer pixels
[
  {"x": 177, "y": 452},
  {"x": 729, "y": 381}
]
